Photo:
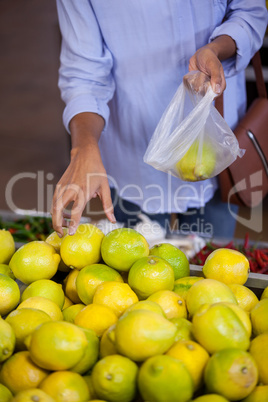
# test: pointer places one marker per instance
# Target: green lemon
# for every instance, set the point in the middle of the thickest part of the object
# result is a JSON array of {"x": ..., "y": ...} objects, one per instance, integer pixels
[{"x": 174, "y": 256}]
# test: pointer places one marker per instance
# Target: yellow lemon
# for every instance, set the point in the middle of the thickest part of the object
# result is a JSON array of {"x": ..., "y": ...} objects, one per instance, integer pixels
[
  {"x": 198, "y": 163},
  {"x": 182, "y": 285},
  {"x": 33, "y": 261},
  {"x": 96, "y": 317},
  {"x": 245, "y": 297},
  {"x": 227, "y": 266},
  {"x": 173, "y": 305},
  {"x": 7, "y": 246},
  {"x": 264, "y": 294},
  {"x": 210, "y": 398},
  {"x": 163, "y": 378},
  {"x": 57, "y": 345},
  {"x": 122, "y": 247},
  {"x": 9, "y": 294},
  {"x": 259, "y": 317},
  {"x": 218, "y": 327},
  {"x": 115, "y": 295},
  {"x": 24, "y": 321},
  {"x": 259, "y": 394},
  {"x": 33, "y": 395},
  {"x": 107, "y": 346},
  {"x": 54, "y": 240},
  {"x": 208, "y": 291},
  {"x": 5, "y": 270},
  {"x": 5, "y": 394},
  {"x": 184, "y": 329},
  {"x": 7, "y": 340},
  {"x": 67, "y": 303},
  {"x": 92, "y": 392},
  {"x": 19, "y": 372},
  {"x": 150, "y": 274},
  {"x": 231, "y": 373},
  {"x": 114, "y": 378},
  {"x": 46, "y": 305},
  {"x": 141, "y": 334},
  {"x": 91, "y": 276},
  {"x": 66, "y": 386},
  {"x": 45, "y": 288},
  {"x": 83, "y": 248},
  {"x": 194, "y": 356},
  {"x": 69, "y": 286},
  {"x": 259, "y": 350},
  {"x": 71, "y": 312},
  {"x": 146, "y": 305},
  {"x": 242, "y": 315},
  {"x": 91, "y": 353}
]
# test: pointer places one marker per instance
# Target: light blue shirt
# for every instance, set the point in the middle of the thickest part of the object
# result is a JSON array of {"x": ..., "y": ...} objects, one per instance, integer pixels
[{"x": 124, "y": 60}]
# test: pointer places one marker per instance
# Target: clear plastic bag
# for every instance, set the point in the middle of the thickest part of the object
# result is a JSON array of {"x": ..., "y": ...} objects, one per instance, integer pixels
[{"x": 192, "y": 141}]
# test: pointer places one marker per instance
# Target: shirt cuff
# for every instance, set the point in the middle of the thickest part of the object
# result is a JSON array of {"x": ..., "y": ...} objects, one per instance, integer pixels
[
  {"x": 85, "y": 103},
  {"x": 243, "y": 52}
]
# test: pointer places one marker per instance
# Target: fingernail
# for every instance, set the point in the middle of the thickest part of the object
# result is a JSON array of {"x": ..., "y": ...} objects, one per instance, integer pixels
[
  {"x": 218, "y": 89},
  {"x": 113, "y": 218},
  {"x": 59, "y": 234},
  {"x": 71, "y": 231}
]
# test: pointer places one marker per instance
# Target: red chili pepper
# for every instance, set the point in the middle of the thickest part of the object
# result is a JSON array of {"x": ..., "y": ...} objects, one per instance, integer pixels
[
  {"x": 259, "y": 259},
  {"x": 12, "y": 230},
  {"x": 253, "y": 266}
]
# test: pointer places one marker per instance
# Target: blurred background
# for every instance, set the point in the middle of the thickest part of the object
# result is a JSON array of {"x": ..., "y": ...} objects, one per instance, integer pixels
[{"x": 34, "y": 144}]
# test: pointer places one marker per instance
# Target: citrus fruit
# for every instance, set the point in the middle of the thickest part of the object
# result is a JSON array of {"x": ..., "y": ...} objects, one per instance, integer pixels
[
  {"x": 96, "y": 317},
  {"x": 173, "y": 305},
  {"x": 107, "y": 346},
  {"x": 114, "y": 378},
  {"x": 194, "y": 357},
  {"x": 122, "y": 247},
  {"x": 210, "y": 398},
  {"x": 150, "y": 274},
  {"x": 115, "y": 295},
  {"x": 24, "y": 321},
  {"x": 33, "y": 395},
  {"x": 54, "y": 240},
  {"x": 69, "y": 286},
  {"x": 92, "y": 392},
  {"x": 264, "y": 294},
  {"x": 90, "y": 355},
  {"x": 182, "y": 285},
  {"x": 174, "y": 256},
  {"x": 184, "y": 329},
  {"x": 71, "y": 312},
  {"x": 7, "y": 340},
  {"x": 5, "y": 269},
  {"x": 245, "y": 297},
  {"x": 259, "y": 394},
  {"x": 227, "y": 266},
  {"x": 44, "y": 304},
  {"x": 163, "y": 378},
  {"x": 259, "y": 317},
  {"x": 66, "y": 386},
  {"x": 19, "y": 372},
  {"x": 45, "y": 288},
  {"x": 231, "y": 373},
  {"x": 67, "y": 303},
  {"x": 57, "y": 345},
  {"x": 140, "y": 334},
  {"x": 146, "y": 305},
  {"x": 218, "y": 327},
  {"x": 7, "y": 246},
  {"x": 82, "y": 248},
  {"x": 198, "y": 163},
  {"x": 242, "y": 315},
  {"x": 91, "y": 276},
  {"x": 33, "y": 261},
  {"x": 259, "y": 350},
  {"x": 9, "y": 294},
  {"x": 208, "y": 291},
  {"x": 5, "y": 394}
]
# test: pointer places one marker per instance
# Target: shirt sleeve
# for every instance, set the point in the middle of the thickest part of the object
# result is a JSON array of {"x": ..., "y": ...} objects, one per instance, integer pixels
[
  {"x": 85, "y": 79},
  {"x": 246, "y": 22}
]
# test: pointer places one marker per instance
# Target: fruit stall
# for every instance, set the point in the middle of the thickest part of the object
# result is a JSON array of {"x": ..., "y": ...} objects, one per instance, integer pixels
[{"x": 114, "y": 316}]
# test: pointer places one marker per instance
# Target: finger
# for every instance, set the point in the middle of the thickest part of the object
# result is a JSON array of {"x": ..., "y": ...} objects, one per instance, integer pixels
[
  {"x": 105, "y": 196},
  {"x": 76, "y": 213},
  {"x": 217, "y": 79},
  {"x": 58, "y": 208}
]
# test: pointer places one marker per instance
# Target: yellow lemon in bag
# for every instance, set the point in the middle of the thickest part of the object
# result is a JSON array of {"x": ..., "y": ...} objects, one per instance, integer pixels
[{"x": 198, "y": 163}]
